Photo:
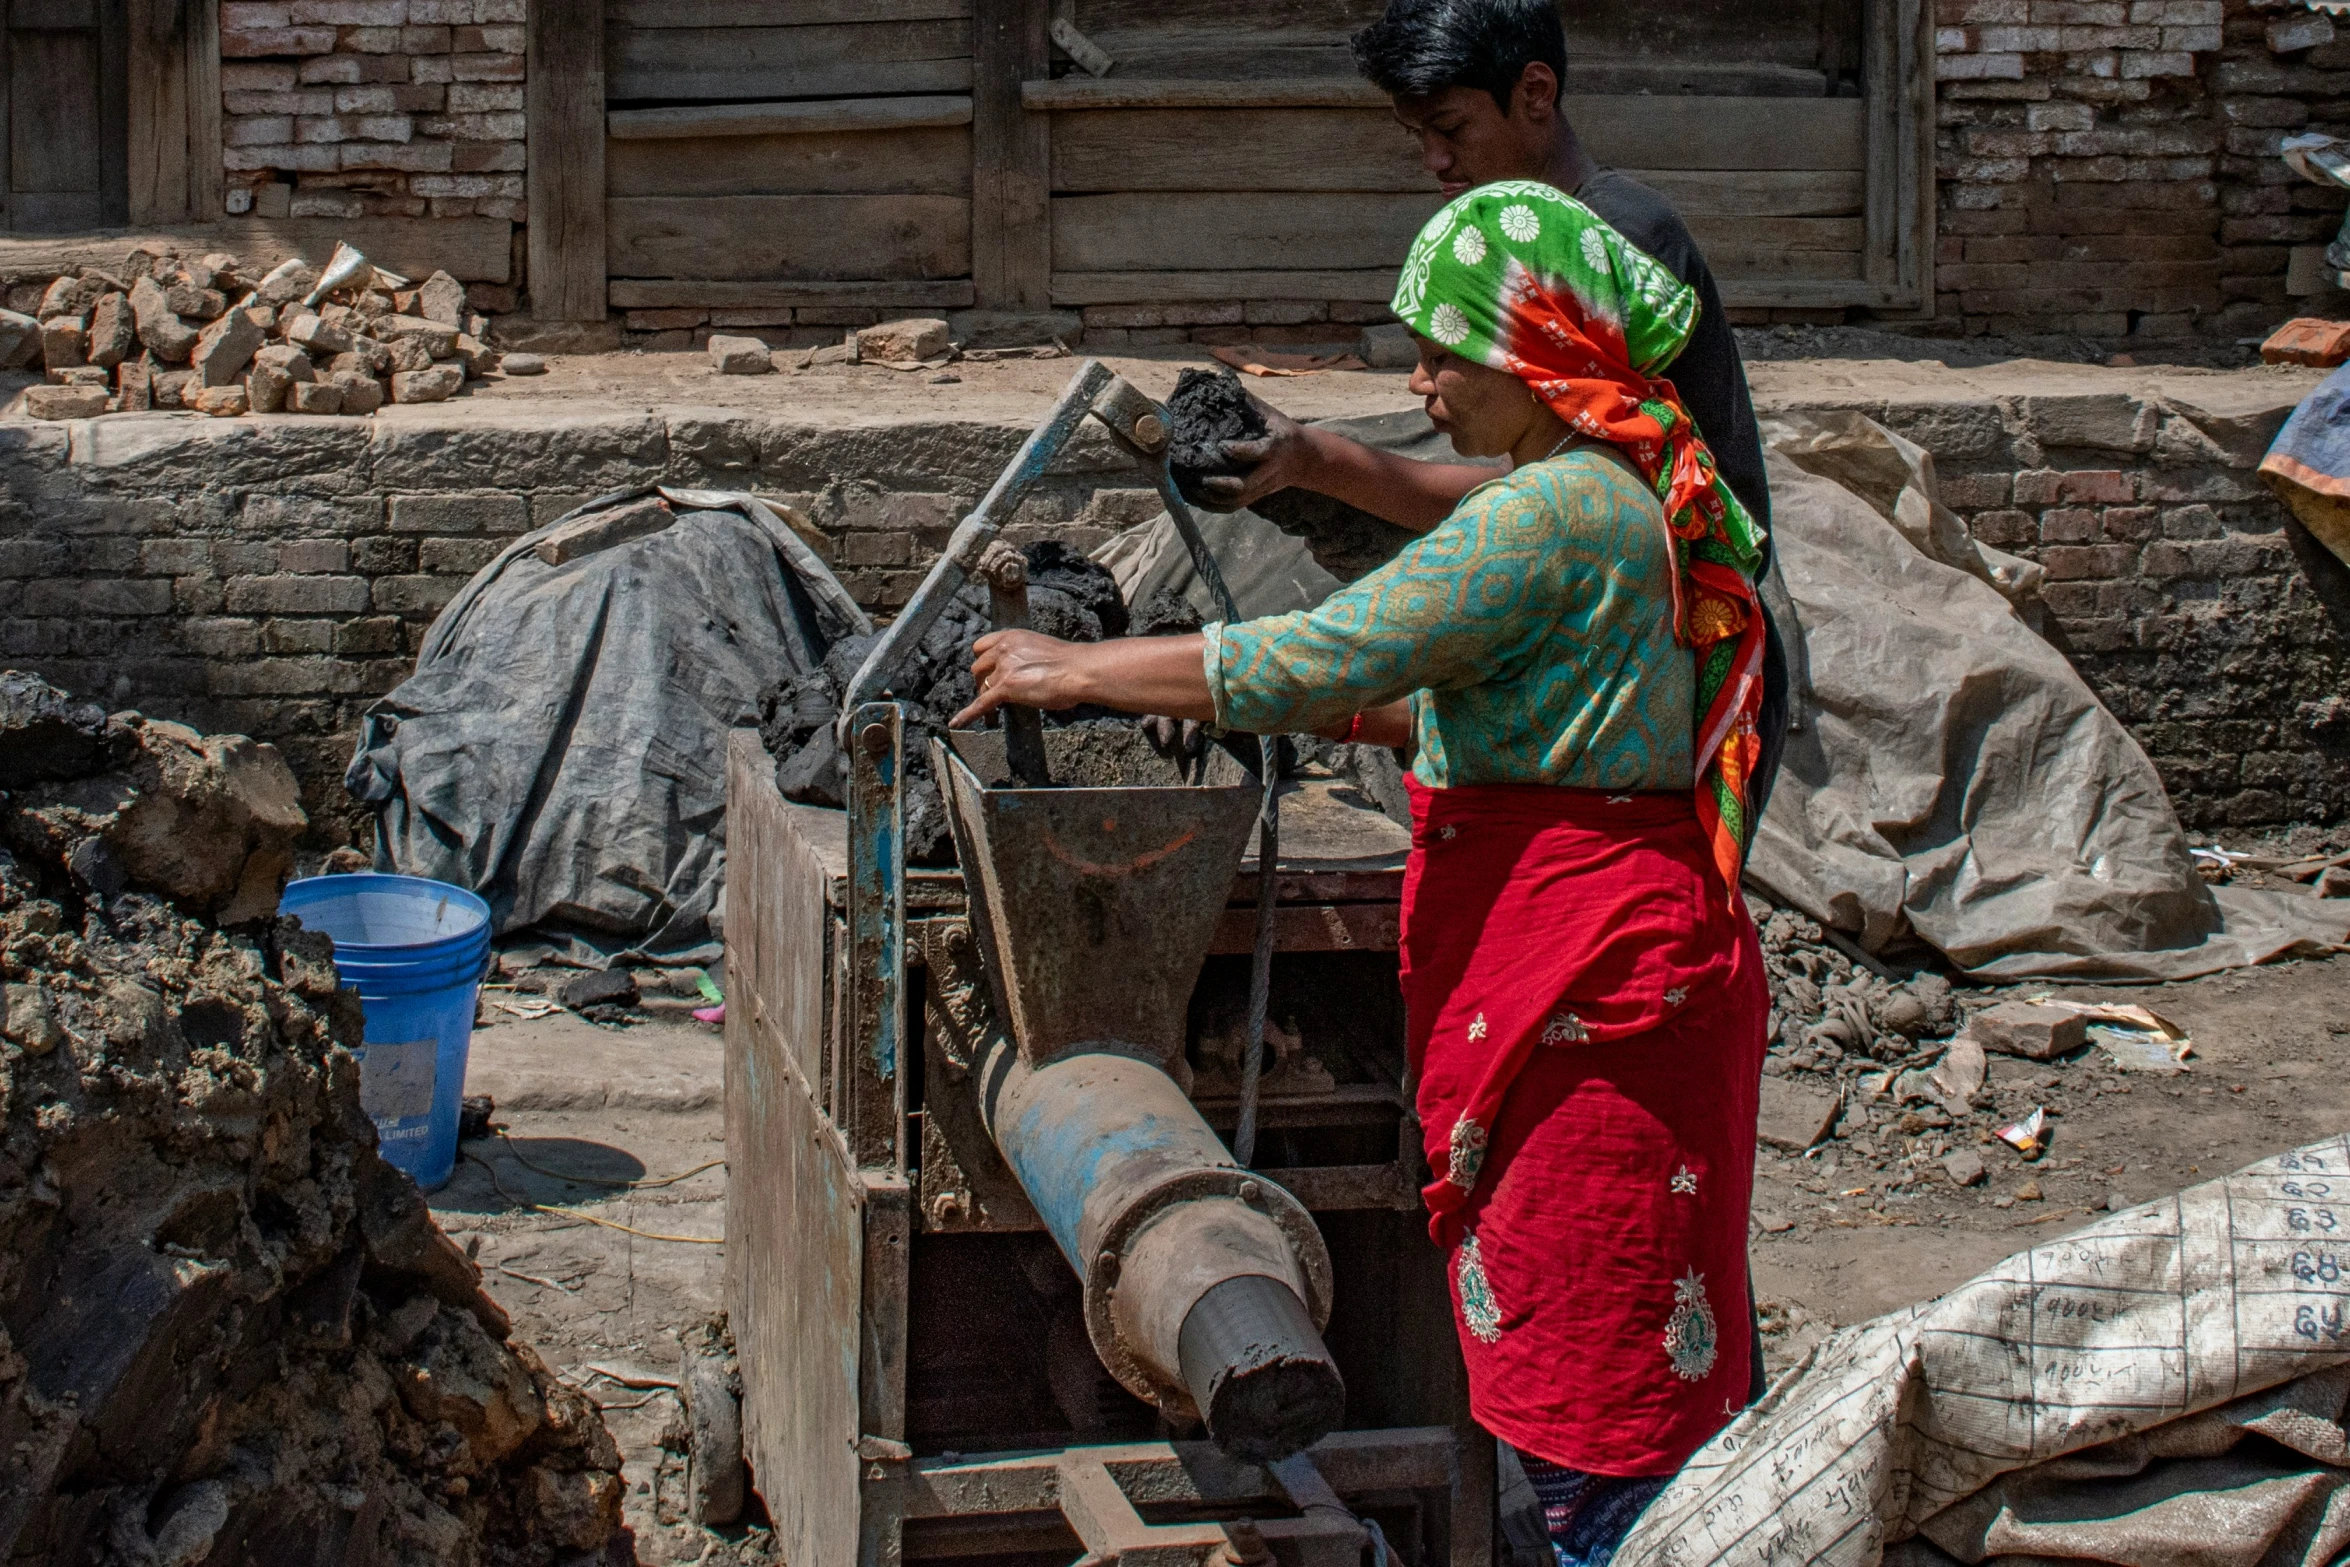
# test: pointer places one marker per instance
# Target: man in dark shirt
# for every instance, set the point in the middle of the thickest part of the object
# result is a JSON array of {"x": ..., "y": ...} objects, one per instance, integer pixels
[{"x": 1479, "y": 83}]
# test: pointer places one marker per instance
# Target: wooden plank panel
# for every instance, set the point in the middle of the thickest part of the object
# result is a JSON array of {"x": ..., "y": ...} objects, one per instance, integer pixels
[
  {"x": 1370, "y": 285},
  {"x": 1763, "y": 265},
  {"x": 808, "y": 117},
  {"x": 1719, "y": 235},
  {"x": 158, "y": 120},
  {"x": 1142, "y": 92},
  {"x": 52, "y": 15},
  {"x": 53, "y": 98},
  {"x": 114, "y": 95},
  {"x": 474, "y": 250},
  {"x": 207, "y": 181},
  {"x": 776, "y": 13},
  {"x": 719, "y": 63},
  {"x": 1761, "y": 193},
  {"x": 1220, "y": 149},
  {"x": 564, "y": 105},
  {"x": 925, "y": 162},
  {"x": 803, "y": 238},
  {"x": 711, "y": 294},
  {"x": 1630, "y": 132},
  {"x": 1723, "y": 133},
  {"x": 794, "y": 1221},
  {"x": 1185, "y": 231},
  {"x": 1011, "y": 162}
]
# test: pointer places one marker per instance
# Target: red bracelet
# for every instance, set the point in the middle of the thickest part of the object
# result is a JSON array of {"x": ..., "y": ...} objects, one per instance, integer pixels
[{"x": 1354, "y": 731}]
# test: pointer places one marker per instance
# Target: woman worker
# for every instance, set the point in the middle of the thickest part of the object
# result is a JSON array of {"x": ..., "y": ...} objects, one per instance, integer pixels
[{"x": 1574, "y": 656}]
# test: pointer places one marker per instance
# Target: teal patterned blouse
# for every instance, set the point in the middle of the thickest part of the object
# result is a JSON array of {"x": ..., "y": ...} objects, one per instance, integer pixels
[{"x": 1532, "y": 629}]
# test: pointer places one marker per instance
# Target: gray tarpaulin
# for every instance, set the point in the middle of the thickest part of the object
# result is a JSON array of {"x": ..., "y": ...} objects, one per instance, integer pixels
[
  {"x": 560, "y": 748},
  {"x": 2163, "y": 1388},
  {"x": 1951, "y": 776}
]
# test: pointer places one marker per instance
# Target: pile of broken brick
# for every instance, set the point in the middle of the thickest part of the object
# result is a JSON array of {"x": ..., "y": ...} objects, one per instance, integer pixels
[
  {"x": 918, "y": 343},
  {"x": 203, "y": 335}
]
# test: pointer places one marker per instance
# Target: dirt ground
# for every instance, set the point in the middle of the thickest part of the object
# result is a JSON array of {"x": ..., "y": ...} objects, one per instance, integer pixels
[
  {"x": 605, "y": 1308},
  {"x": 1836, "y": 1242}
]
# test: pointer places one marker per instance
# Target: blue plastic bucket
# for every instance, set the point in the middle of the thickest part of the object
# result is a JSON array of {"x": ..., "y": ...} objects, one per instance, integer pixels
[{"x": 415, "y": 950}]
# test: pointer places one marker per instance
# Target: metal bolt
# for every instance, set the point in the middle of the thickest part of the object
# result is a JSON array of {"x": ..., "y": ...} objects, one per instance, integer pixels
[
  {"x": 875, "y": 739},
  {"x": 1251, "y": 1193},
  {"x": 1244, "y": 1544},
  {"x": 1107, "y": 1264},
  {"x": 1150, "y": 432}
]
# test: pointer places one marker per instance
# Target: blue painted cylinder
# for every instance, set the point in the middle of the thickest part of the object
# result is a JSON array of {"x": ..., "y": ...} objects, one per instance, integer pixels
[{"x": 415, "y": 950}]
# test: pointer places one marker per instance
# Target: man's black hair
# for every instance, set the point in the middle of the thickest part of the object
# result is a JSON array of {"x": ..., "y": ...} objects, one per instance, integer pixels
[{"x": 1423, "y": 47}]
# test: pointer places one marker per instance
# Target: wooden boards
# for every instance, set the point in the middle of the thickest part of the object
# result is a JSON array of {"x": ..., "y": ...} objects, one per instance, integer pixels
[
  {"x": 803, "y": 117},
  {"x": 797, "y": 238},
  {"x": 931, "y": 162},
  {"x": 472, "y": 250},
  {"x": 564, "y": 106},
  {"x": 1775, "y": 190},
  {"x": 1175, "y": 231},
  {"x": 1317, "y": 149},
  {"x": 720, "y": 64},
  {"x": 1011, "y": 166}
]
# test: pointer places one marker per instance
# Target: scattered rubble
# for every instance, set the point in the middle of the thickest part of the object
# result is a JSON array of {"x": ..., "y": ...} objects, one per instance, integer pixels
[
  {"x": 211, "y": 336},
  {"x": 1209, "y": 411},
  {"x": 229, "y": 1331}
]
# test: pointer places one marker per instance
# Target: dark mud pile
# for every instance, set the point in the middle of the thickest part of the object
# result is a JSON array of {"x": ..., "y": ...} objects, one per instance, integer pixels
[
  {"x": 1069, "y": 597},
  {"x": 229, "y": 1333},
  {"x": 1212, "y": 409}
]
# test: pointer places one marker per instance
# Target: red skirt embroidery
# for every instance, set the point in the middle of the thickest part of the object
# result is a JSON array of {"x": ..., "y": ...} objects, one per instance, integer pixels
[{"x": 1586, "y": 1015}]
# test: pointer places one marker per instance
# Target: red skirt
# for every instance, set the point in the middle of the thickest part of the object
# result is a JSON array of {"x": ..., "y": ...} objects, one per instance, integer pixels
[{"x": 1586, "y": 1005}]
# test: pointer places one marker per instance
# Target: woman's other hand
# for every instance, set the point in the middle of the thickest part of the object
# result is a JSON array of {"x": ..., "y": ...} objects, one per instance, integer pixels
[
  {"x": 1026, "y": 668},
  {"x": 1280, "y": 459}
]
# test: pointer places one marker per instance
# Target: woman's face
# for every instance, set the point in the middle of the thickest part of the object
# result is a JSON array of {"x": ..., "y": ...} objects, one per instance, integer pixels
[{"x": 1486, "y": 412}]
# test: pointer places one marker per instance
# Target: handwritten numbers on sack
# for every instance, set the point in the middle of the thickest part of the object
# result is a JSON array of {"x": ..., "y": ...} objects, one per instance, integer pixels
[
  {"x": 2317, "y": 1189},
  {"x": 2304, "y": 1221},
  {"x": 2320, "y": 1323},
  {"x": 2298, "y": 1162},
  {"x": 2317, "y": 1267}
]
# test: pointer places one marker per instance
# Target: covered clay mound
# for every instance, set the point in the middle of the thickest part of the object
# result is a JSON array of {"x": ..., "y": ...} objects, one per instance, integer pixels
[
  {"x": 229, "y": 1333},
  {"x": 1211, "y": 409},
  {"x": 1068, "y": 597}
]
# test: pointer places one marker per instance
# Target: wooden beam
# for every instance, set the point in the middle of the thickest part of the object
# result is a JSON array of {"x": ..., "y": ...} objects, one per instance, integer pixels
[
  {"x": 1204, "y": 231},
  {"x": 207, "y": 177},
  {"x": 472, "y": 250},
  {"x": 1140, "y": 92},
  {"x": 714, "y": 294},
  {"x": 114, "y": 95},
  {"x": 795, "y": 238},
  {"x": 820, "y": 117},
  {"x": 1011, "y": 159},
  {"x": 777, "y": 13},
  {"x": 927, "y": 162},
  {"x": 159, "y": 124},
  {"x": 564, "y": 104},
  {"x": 1367, "y": 286},
  {"x": 721, "y": 64}
]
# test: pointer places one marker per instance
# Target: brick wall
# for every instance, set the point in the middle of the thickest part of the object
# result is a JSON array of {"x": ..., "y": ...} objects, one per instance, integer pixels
[
  {"x": 2174, "y": 584},
  {"x": 272, "y": 577},
  {"x": 2108, "y": 167},
  {"x": 350, "y": 108}
]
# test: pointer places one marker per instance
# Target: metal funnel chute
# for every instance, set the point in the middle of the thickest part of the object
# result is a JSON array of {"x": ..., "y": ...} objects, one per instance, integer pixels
[{"x": 1095, "y": 902}]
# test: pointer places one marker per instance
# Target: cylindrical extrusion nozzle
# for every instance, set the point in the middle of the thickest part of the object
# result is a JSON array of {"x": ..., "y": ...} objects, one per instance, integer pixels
[{"x": 1203, "y": 1281}]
